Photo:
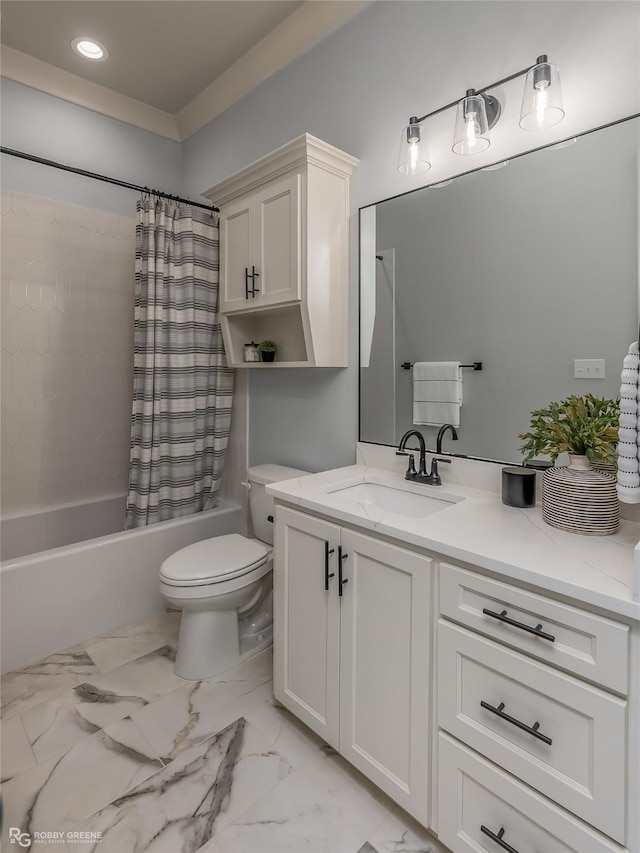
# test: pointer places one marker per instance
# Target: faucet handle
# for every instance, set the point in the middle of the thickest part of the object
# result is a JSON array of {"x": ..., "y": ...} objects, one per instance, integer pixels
[{"x": 403, "y": 453}]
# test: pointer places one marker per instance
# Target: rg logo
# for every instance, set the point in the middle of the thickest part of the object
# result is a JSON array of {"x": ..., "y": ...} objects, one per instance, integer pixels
[{"x": 17, "y": 836}]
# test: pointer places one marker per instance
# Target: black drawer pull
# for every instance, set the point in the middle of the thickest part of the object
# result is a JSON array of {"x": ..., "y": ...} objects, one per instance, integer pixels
[
  {"x": 531, "y": 730},
  {"x": 497, "y": 837},
  {"x": 341, "y": 581},
  {"x": 504, "y": 618},
  {"x": 327, "y": 575},
  {"x": 270, "y": 518},
  {"x": 246, "y": 282}
]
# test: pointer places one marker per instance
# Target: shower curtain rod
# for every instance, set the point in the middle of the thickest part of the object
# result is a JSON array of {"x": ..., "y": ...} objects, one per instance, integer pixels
[{"x": 41, "y": 160}]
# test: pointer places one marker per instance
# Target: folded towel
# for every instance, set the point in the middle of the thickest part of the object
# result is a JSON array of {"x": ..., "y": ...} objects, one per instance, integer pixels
[
  {"x": 437, "y": 393},
  {"x": 629, "y": 431}
]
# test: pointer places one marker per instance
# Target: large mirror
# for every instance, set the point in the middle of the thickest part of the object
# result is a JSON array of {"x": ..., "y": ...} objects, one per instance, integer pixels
[{"x": 526, "y": 268}]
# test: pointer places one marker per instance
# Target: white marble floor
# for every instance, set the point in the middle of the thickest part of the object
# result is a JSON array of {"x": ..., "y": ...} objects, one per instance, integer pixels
[{"x": 105, "y": 749}]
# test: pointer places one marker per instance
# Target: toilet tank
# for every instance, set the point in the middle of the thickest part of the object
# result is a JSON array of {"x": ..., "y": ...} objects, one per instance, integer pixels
[{"x": 262, "y": 505}]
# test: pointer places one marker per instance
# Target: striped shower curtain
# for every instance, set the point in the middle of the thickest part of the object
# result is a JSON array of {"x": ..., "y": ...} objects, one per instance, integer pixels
[{"x": 183, "y": 389}]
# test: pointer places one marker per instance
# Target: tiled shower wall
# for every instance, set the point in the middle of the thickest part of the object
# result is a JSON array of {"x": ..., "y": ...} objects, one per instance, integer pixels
[{"x": 67, "y": 284}]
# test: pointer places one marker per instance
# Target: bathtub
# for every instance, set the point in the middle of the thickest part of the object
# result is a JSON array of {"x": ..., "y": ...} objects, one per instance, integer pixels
[{"x": 74, "y": 590}]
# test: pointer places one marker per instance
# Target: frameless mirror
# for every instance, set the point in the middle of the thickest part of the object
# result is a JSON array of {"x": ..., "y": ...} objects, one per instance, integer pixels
[{"x": 530, "y": 269}]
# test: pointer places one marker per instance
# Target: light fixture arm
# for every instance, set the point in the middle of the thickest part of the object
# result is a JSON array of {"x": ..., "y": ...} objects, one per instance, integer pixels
[{"x": 420, "y": 119}]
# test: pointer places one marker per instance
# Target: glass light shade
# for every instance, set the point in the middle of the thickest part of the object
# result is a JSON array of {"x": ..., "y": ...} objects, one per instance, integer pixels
[
  {"x": 471, "y": 135},
  {"x": 414, "y": 157},
  {"x": 542, "y": 97}
]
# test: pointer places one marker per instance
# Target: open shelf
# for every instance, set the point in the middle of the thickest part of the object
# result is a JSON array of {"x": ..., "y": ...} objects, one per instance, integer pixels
[{"x": 282, "y": 324}]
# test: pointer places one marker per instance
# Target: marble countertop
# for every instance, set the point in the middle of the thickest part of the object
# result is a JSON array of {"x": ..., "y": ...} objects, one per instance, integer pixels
[{"x": 514, "y": 543}]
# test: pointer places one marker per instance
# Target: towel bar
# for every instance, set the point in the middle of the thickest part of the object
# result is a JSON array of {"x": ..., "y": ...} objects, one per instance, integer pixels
[{"x": 477, "y": 365}]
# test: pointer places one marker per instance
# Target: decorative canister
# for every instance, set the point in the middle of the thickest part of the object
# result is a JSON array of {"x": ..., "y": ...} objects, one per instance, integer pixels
[
  {"x": 518, "y": 487},
  {"x": 579, "y": 499},
  {"x": 251, "y": 352}
]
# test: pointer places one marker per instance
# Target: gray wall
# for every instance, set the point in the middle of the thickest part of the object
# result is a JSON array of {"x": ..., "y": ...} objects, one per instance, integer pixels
[
  {"x": 58, "y": 130},
  {"x": 524, "y": 269},
  {"x": 356, "y": 90}
]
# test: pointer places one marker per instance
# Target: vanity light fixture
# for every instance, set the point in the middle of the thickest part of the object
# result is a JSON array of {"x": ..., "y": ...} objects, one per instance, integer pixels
[
  {"x": 478, "y": 112},
  {"x": 89, "y": 48}
]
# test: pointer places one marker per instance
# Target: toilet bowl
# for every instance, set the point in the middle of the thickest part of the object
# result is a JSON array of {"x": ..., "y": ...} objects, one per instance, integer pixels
[{"x": 223, "y": 587}]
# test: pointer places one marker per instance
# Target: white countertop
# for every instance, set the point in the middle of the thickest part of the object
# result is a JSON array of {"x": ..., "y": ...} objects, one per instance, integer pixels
[{"x": 515, "y": 543}]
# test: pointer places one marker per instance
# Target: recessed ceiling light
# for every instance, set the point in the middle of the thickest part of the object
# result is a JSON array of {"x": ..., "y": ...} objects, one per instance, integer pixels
[{"x": 89, "y": 48}]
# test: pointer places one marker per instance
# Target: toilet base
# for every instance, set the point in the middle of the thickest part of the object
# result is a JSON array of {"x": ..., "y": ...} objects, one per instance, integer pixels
[{"x": 213, "y": 641}]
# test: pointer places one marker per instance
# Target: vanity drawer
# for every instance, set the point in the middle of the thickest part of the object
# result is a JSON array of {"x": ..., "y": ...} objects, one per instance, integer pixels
[
  {"x": 472, "y": 793},
  {"x": 587, "y": 645},
  {"x": 525, "y": 705}
]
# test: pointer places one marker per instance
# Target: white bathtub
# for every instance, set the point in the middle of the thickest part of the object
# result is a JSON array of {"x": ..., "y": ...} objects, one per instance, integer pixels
[{"x": 59, "y": 597}]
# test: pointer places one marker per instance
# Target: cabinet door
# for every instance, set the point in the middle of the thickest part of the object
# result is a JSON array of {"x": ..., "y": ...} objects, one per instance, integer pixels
[
  {"x": 384, "y": 676},
  {"x": 236, "y": 253},
  {"x": 278, "y": 242},
  {"x": 306, "y": 641}
]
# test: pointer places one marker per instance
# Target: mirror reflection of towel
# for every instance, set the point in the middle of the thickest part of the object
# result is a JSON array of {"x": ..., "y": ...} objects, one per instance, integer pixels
[{"x": 437, "y": 393}]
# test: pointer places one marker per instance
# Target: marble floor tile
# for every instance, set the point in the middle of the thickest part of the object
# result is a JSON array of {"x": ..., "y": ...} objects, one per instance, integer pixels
[
  {"x": 128, "y": 642},
  {"x": 60, "y": 792},
  {"x": 16, "y": 754},
  {"x": 284, "y": 732},
  {"x": 200, "y": 709},
  {"x": 29, "y": 686},
  {"x": 179, "y": 809},
  {"x": 69, "y": 716},
  {"x": 321, "y": 807},
  {"x": 399, "y": 833}
]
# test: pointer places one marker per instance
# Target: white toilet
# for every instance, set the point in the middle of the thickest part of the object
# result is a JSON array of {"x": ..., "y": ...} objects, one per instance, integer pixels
[{"x": 223, "y": 587}]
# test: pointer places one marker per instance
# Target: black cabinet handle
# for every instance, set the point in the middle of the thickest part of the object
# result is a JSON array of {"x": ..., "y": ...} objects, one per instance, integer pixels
[
  {"x": 246, "y": 282},
  {"x": 254, "y": 275},
  {"x": 341, "y": 581},
  {"x": 497, "y": 837},
  {"x": 502, "y": 617},
  {"x": 270, "y": 518},
  {"x": 327, "y": 575},
  {"x": 531, "y": 730}
]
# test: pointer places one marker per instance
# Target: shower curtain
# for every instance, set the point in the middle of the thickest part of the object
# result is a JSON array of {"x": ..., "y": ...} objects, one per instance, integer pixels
[{"x": 183, "y": 389}]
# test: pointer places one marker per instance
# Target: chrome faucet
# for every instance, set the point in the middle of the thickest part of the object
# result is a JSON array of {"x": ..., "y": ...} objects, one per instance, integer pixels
[
  {"x": 433, "y": 477},
  {"x": 441, "y": 432}
]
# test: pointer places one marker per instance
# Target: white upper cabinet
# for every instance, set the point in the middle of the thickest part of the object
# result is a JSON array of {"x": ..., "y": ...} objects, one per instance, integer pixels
[
  {"x": 260, "y": 261},
  {"x": 284, "y": 255}
]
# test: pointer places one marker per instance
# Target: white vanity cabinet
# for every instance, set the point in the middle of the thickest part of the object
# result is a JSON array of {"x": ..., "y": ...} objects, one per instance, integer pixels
[
  {"x": 537, "y": 688},
  {"x": 495, "y": 698},
  {"x": 284, "y": 255},
  {"x": 351, "y": 649}
]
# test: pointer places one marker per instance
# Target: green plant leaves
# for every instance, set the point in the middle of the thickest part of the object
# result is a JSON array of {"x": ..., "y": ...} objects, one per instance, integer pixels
[{"x": 585, "y": 425}]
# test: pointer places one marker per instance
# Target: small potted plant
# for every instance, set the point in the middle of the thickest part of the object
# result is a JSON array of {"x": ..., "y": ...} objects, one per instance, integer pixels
[
  {"x": 575, "y": 497},
  {"x": 580, "y": 426},
  {"x": 267, "y": 350}
]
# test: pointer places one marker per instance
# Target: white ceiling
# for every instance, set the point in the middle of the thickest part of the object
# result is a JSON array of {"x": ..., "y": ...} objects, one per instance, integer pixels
[{"x": 184, "y": 59}]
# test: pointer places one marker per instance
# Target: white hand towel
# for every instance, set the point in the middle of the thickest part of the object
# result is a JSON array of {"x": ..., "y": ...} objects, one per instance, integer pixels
[
  {"x": 629, "y": 432},
  {"x": 437, "y": 393}
]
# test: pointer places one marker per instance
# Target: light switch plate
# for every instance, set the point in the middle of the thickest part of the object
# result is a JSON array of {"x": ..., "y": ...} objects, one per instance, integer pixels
[{"x": 588, "y": 368}]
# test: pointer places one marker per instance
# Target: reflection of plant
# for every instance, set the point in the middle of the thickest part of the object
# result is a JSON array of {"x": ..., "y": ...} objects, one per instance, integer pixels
[
  {"x": 583, "y": 425},
  {"x": 267, "y": 346}
]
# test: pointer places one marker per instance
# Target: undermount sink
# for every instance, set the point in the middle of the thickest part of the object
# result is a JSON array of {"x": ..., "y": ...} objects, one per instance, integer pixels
[{"x": 401, "y": 501}]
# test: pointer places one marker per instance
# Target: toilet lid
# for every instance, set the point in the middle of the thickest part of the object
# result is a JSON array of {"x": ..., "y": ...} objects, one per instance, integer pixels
[{"x": 213, "y": 560}]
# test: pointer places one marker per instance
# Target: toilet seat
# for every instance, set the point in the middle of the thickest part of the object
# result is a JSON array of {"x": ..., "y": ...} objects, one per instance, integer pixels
[{"x": 213, "y": 561}]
